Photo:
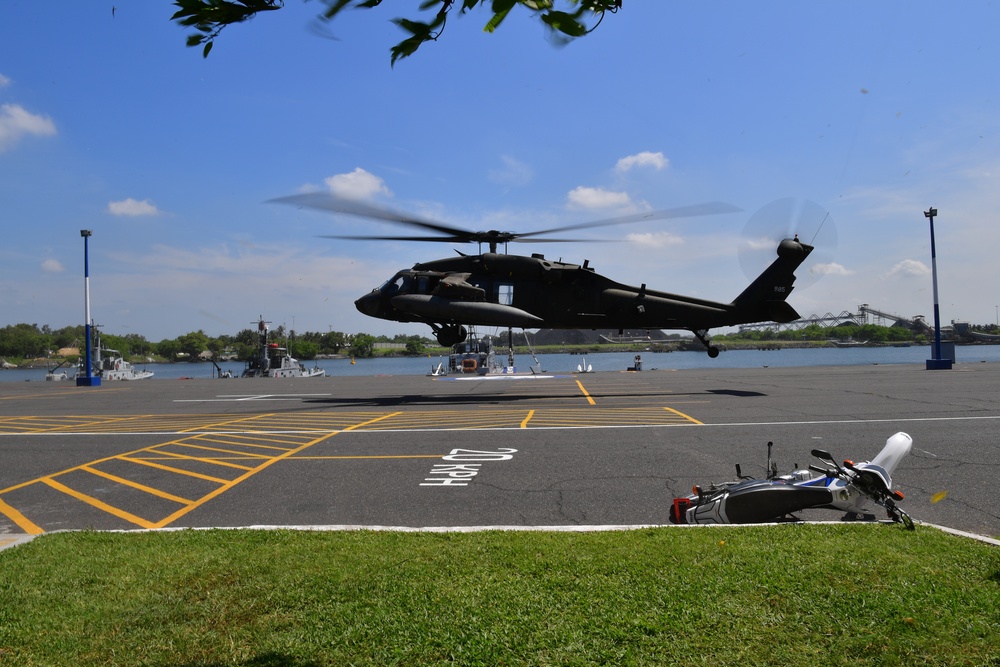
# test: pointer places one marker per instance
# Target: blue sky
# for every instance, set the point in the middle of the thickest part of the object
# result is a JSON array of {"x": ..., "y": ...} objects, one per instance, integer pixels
[{"x": 874, "y": 111}]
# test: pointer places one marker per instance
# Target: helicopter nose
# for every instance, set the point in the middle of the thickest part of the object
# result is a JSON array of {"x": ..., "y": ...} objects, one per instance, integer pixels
[{"x": 368, "y": 304}]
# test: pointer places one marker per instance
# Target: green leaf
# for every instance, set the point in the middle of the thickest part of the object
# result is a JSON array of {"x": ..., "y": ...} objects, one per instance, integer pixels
[
  {"x": 564, "y": 23},
  {"x": 501, "y": 9}
]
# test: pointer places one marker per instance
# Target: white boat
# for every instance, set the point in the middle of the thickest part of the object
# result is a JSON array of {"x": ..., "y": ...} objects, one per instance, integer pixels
[
  {"x": 114, "y": 367},
  {"x": 475, "y": 356},
  {"x": 56, "y": 375},
  {"x": 274, "y": 361}
]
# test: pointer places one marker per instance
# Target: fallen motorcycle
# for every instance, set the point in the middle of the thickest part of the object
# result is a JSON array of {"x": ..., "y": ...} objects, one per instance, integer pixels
[{"x": 847, "y": 488}]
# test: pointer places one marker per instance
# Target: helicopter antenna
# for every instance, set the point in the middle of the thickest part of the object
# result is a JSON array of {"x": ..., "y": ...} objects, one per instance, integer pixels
[{"x": 826, "y": 217}]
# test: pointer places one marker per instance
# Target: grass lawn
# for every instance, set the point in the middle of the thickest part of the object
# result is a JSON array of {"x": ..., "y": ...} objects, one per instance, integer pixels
[{"x": 788, "y": 595}]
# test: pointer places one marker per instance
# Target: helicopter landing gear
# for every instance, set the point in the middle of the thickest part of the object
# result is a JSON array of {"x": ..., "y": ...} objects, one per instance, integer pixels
[
  {"x": 702, "y": 335},
  {"x": 451, "y": 334}
]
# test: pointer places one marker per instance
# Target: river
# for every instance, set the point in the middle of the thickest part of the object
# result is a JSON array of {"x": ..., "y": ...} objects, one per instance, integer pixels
[{"x": 605, "y": 361}]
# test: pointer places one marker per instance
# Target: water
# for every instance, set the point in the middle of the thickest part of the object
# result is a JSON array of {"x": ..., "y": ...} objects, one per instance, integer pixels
[{"x": 606, "y": 361}]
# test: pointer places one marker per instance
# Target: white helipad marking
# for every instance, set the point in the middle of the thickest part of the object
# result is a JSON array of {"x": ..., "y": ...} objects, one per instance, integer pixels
[{"x": 229, "y": 398}]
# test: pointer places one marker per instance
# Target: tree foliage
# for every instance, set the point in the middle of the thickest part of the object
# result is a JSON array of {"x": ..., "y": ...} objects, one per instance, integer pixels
[
  {"x": 210, "y": 17},
  {"x": 362, "y": 345}
]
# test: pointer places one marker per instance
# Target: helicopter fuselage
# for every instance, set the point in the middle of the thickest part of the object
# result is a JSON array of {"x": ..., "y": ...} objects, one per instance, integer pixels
[{"x": 502, "y": 290}]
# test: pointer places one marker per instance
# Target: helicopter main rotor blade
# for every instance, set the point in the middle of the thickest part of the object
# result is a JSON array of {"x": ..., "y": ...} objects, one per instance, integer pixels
[
  {"x": 709, "y": 208},
  {"x": 326, "y": 202},
  {"x": 433, "y": 239}
]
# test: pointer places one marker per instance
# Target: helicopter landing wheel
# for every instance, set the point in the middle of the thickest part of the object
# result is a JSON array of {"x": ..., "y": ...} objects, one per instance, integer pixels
[
  {"x": 702, "y": 335},
  {"x": 450, "y": 335}
]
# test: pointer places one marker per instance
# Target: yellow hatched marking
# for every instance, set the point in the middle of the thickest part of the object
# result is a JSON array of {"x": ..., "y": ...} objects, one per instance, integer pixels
[
  {"x": 684, "y": 416},
  {"x": 225, "y": 487},
  {"x": 524, "y": 422},
  {"x": 179, "y": 471},
  {"x": 135, "y": 485},
  {"x": 18, "y": 518},
  {"x": 253, "y": 440},
  {"x": 227, "y": 422},
  {"x": 137, "y": 457},
  {"x": 202, "y": 459},
  {"x": 99, "y": 504},
  {"x": 235, "y": 454}
]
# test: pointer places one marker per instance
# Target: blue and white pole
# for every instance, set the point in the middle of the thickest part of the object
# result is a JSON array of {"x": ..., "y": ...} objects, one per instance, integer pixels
[
  {"x": 88, "y": 379},
  {"x": 937, "y": 363}
]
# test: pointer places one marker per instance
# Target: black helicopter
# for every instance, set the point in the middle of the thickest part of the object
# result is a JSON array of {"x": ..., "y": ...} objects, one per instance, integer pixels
[{"x": 502, "y": 290}]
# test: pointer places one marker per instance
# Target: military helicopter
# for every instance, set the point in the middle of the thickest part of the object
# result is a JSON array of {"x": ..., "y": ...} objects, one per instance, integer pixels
[{"x": 495, "y": 289}]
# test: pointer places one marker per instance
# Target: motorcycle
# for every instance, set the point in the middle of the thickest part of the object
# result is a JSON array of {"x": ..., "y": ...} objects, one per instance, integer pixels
[{"x": 777, "y": 497}]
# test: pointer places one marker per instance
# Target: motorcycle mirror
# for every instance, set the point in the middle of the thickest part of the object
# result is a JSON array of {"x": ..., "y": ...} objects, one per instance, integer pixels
[{"x": 823, "y": 455}]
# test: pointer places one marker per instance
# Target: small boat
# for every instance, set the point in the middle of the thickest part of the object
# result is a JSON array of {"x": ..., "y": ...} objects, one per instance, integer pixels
[
  {"x": 56, "y": 375},
  {"x": 114, "y": 367},
  {"x": 475, "y": 355},
  {"x": 275, "y": 361}
]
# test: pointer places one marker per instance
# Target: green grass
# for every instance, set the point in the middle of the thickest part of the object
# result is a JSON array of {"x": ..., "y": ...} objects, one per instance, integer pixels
[{"x": 790, "y": 595}]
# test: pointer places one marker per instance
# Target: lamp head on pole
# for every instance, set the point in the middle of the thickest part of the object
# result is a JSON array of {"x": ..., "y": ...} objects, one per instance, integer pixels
[
  {"x": 86, "y": 232},
  {"x": 930, "y": 213}
]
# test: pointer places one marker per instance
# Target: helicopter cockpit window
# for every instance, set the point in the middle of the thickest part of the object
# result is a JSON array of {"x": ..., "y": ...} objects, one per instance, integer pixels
[
  {"x": 423, "y": 285},
  {"x": 399, "y": 284},
  {"x": 505, "y": 294}
]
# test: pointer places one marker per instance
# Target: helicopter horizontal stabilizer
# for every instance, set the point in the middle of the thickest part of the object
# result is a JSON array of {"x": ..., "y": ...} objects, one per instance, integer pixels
[
  {"x": 440, "y": 309},
  {"x": 782, "y": 312}
]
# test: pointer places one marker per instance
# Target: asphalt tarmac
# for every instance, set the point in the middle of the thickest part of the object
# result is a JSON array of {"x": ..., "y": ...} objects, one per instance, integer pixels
[{"x": 597, "y": 449}]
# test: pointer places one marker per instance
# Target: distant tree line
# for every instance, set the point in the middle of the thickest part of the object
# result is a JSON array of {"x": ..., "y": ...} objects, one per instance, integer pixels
[
  {"x": 871, "y": 333},
  {"x": 30, "y": 341}
]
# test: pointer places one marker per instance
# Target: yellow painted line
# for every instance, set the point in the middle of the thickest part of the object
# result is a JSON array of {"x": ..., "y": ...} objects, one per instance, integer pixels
[
  {"x": 90, "y": 423},
  {"x": 524, "y": 422},
  {"x": 589, "y": 399},
  {"x": 681, "y": 414},
  {"x": 234, "y": 454},
  {"x": 247, "y": 440},
  {"x": 292, "y": 452},
  {"x": 227, "y": 422},
  {"x": 203, "y": 459},
  {"x": 48, "y": 395},
  {"x": 101, "y": 505},
  {"x": 18, "y": 518},
  {"x": 136, "y": 485},
  {"x": 179, "y": 471}
]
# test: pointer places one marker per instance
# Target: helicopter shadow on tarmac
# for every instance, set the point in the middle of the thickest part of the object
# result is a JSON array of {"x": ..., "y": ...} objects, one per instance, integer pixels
[{"x": 445, "y": 400}]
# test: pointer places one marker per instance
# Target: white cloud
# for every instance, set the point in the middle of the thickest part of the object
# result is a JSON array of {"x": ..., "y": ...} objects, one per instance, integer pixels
[
  {"x": 53, "y": 266},
  {"x": 584, "y": 197},
  {"x": 15, "y": 123},
  {"x": 655, "y": 239},
  {"x": 514, "y": 172},
  {"x": 132, "y": 207},
  {"x": 831, "y": 269},
  {"x": 4, "y": 81},
  {"x": 643, "y": 159},
  {"x": 358, "y": 184},
  {"x": 908, "y": 268}
]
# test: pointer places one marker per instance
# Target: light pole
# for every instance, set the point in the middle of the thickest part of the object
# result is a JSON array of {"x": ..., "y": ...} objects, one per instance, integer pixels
[
  {"x": 937, "y": 363},
  {"x": 88, "y": 379}
]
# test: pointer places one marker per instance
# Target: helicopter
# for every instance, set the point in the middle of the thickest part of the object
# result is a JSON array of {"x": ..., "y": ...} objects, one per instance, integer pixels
[{"x": 494, "y": 289}]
